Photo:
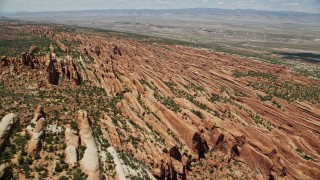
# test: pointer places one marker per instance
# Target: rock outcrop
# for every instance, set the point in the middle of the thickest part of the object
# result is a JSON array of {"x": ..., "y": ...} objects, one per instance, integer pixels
[
  {"x": 4, "y": 61},
  {"x": 5, "y": 172},
  {"x": 72, "y": 142},
  {"x": 38, "y": 113},
  {"x": 116, "y": 50},
  {"x": 52, "y": 70},
  {"x": 256, "y": 160},
  {"x": 69, "y": 70},
  {"x": 6, "y": 125},
  {"x": 28, "y": 60},
  {"x": 167, "y": 171},
  {"x": 37, "y": 132},
  {"x": 200, "y": 145},
  {"x": 97, "y": 50},
  {"x": 41, "y": 31},
  {"x": 33, "y": 49},
  {"x": 175, "y": 153},
  {"x": 90, "y": 161}
]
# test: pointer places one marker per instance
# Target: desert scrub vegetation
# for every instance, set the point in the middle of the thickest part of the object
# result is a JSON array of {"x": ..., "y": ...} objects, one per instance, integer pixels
[
  {"x": 175, "y": 89},
  {"x": 192, "y": 86},
  {"x": 239, "y": 93},
  {"x": 265, "y": 98},
  {"x": 14, "y": 47},
  {"x": 192, "y": 98},
  {"x": 71, "y": 44},
  {"x": 197, "y": 113},
  {"x": 310, "y": 72},
  {"x": 79, "y": 175},
  {"x": 256, "y": 74},
  {"x": 130, "y": 161},
  {"x": 289, "y": 91},
  {"x": 13, "y": 145},
  {"x": 305, "y": 156},
  {"x": 167, "y": 101},
  {"x": 180, "y": 144},
  {"x": 277, "y": 104},
  {"x": 157, "y": 135},
  {"x": 215, "y": 98},
  {"x": 255, "y": 117},
  {"x": 62, "y": 104},
  {"x": 108, "y": 166}
]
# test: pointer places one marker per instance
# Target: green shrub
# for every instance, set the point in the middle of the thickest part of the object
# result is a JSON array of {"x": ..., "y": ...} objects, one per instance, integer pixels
[
  {"x": 275, "y": 103},
  {"x": 79, "y": 175},
  {"x": 214, "y": 97},
  {"x": 58, "y": 168},
  {"x": 265, "y": 98},
  {"x": 197, "y": 113}
]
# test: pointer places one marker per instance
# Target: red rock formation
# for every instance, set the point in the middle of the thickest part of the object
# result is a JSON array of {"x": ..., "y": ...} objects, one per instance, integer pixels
[
  {"x": 5, "y": 171},
  {"x": 175, "y": 153},
  {"x": 97, "y": 50},
  {"x": 167, "y": 171},
  {"x": 33, "y": 49},
  {"x": 116, "y": 50},
  {"x": 41, "y": 31},
  {"x": 200, "y": 145},
  {"x": 53, "y": 74},
  {"x": 90, "y": 161},
  {"x": 69, "y": 70},
  {"x": 35, "y": 143},
  {"x": 145, "y": 81},
  {"x": 4, "y": 61},
  {"x": 28, "y": 60}
]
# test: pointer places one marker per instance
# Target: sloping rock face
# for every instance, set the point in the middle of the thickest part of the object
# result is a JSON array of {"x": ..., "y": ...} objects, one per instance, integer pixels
[
  {"x": 72, "y": 141},
  {"x": 155, "y": 96},
  {"x": 35, "y": 143},
  {"x": 6, "y": 125},
  {"x": 257, "y": 160},
  {"x": 90, "y": 161}
]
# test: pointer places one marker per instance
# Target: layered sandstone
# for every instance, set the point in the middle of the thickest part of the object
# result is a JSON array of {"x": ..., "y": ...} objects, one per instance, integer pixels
[{"x": 181, "y": 111}]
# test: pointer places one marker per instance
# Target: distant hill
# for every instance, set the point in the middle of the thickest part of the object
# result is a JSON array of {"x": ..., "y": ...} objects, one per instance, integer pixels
[{"x": 191, "y": 11}]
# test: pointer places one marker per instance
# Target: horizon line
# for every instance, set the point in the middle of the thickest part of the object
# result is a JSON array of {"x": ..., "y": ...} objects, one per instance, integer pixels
[{"x": 160, "y": 9}]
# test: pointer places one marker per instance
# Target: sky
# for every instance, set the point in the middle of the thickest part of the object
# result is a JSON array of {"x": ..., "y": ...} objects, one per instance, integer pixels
[{"x": 312, "y": 6}]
